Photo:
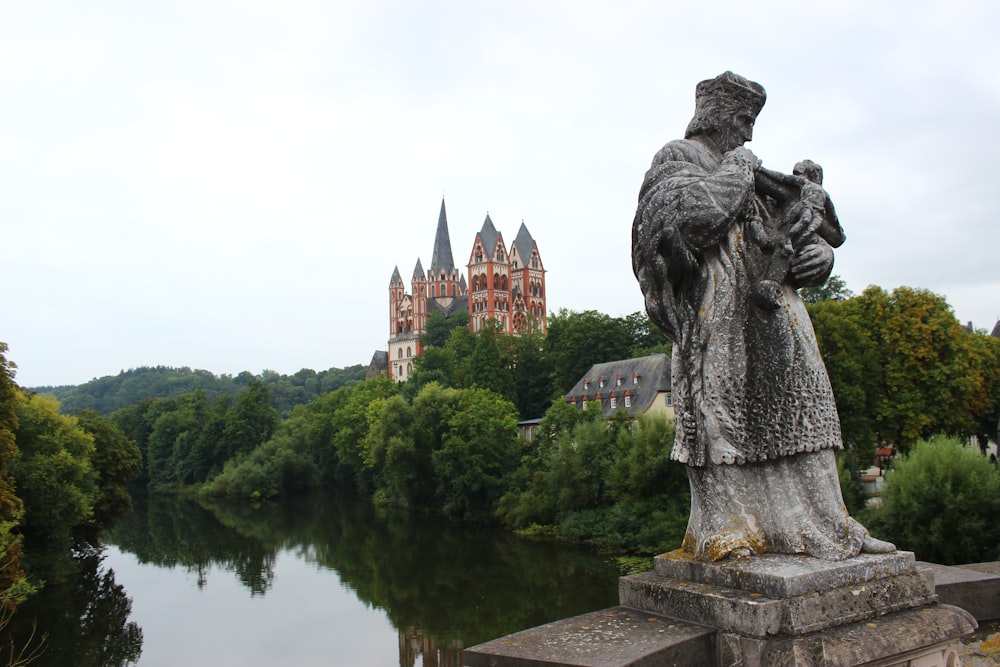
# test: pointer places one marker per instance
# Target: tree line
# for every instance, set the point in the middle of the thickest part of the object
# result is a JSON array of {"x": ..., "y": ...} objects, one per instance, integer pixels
[
  {"x": 902, "y": 368},
  {"x": 62, "y": 481},
  {"x": 112, "y": 392}
]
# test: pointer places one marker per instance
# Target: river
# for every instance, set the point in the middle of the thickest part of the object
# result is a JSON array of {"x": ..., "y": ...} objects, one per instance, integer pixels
[{"x": 319, "y": 580}]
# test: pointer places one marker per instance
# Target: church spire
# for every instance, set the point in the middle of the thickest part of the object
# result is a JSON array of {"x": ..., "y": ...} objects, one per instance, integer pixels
[{"x": 442, "y": 260}]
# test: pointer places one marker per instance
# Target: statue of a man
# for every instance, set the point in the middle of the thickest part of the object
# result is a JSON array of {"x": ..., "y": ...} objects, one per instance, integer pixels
[{"x": 757, "y": 424}]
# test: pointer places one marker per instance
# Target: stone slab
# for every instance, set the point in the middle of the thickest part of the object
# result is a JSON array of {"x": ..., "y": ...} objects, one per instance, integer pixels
[
  {"x": 614, "y": 637},
  {"x": 783, "y": 575},
  {"x": 989, "y": 567},
  {"x": 925, "y": 636},
  {"x": 975, "y": 590},
  {"x": 757, "y": 615}
]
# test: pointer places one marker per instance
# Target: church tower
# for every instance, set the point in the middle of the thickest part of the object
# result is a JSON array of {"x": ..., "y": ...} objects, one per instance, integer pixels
[
  {"x": 442, "y": 288},
  {"x": 504, "y": 285},
  {"x": 528, "y": 283},
  {"x": 489, "y": 280}
]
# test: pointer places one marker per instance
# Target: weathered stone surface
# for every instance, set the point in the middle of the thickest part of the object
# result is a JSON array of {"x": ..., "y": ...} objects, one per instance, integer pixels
[
  {"x": 975, "y": 590},
  {"x": 614, "y": 637},
  {"x": 917, "y": 637},
  {"x": 719, "y": 246},
  {"x": 783, "y": 575},
  {"x": 755, "y": 614}
]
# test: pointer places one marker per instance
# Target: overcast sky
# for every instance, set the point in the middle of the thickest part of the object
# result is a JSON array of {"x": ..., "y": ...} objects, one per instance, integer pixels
[{"x": 229, "y": 185}]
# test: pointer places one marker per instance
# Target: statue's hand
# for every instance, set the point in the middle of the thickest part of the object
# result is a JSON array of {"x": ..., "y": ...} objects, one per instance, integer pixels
[{"x": 811, "y": 266}]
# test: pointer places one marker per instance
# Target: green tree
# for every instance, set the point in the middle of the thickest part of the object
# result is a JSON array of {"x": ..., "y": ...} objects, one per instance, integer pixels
[
  {"x": 348, "y": 427},
  {"x": 985, "y": 353},
  {"x": 531, "y": 372},
  {"x": 478, "y": 451},
  {"x": 489, "y": 365},
  {"x": 14, "y": 587},
  {"x": 647, "y": 338},
  {"x": 577, "y": 341},
  {"x": 250, "y": 422},
  {"x": 834, "y": 289},
  {"x": 54, "y": 474},
  {"x": 439, "y": 327},
  {"x": 854, "y": 362},
  {"x": 926, "y": 367},
  {"x": 117, "y": 461},
  {"x": 461, "y": 343},
  {"x": 436, "y": 364},
  {"x": 941, "y": 501}
]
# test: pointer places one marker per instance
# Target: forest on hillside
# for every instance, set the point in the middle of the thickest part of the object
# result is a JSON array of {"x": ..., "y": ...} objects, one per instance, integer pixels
[{"x": 113, "y": 392}]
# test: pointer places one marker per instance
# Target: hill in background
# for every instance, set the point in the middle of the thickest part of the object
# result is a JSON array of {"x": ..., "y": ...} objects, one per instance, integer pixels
[{"x": 111, "y": 392}]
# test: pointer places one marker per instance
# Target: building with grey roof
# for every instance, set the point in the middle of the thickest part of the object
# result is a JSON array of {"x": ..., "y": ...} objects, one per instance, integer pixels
[{"x": 637, "y": 386}]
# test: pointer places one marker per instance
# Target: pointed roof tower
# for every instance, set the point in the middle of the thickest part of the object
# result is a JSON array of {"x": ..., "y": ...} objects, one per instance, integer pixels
[
  {"x": 523, "y": 243},
  {"x": 418, "y": 271},
  {"x": 488, "y": 234},
  {"x": 396, "y": 278},
  {"x": 442, "y": 260}
]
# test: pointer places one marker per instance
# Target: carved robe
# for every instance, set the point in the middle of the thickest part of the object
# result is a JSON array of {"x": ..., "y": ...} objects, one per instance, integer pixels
[{"x": 756, "y": 419}]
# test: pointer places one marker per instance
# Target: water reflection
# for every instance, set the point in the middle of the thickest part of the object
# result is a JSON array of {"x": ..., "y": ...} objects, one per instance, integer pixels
[
  {"x": 86, "y": 620},
  {"x": 442, "y": 586}
]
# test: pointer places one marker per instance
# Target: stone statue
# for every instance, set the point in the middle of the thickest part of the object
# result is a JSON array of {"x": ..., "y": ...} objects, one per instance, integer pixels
[{"x": 719, "y": 246}]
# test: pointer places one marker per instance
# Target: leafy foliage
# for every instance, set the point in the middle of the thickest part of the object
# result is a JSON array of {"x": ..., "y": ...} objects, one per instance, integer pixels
[
  {"x": 941, "y": 501},
  {"x": 117, "y": 461},
  {"x": 114, "y": 392},
  {"x": 14, "y": 585},
  {"x": 614, "y": 486},
  {"x": 55, "y": 475},
  {"x": 903, "y": 368}
]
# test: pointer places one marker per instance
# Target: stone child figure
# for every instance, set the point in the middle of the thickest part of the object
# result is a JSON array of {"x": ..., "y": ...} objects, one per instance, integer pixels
[
  {"x": 756, "y": 421},
  {"x": 811, "y": 212}
]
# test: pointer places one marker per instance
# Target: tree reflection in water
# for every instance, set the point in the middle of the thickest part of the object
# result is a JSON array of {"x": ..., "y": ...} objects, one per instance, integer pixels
[
  {"x": 442, "y": 585},
  {"x": 85, "y": 620}
]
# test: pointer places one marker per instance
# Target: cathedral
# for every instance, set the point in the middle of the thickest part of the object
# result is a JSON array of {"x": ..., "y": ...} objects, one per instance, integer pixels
[{"x": 504, "y": 284}]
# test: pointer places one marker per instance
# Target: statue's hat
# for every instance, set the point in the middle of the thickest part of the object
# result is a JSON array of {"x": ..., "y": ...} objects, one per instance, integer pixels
[{"x": 734, "y": 89}]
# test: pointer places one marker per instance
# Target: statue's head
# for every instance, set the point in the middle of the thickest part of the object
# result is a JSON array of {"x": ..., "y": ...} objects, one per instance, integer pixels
[
  {"x": 809, "y": 170},
  {"x": 725, "y": 109}
]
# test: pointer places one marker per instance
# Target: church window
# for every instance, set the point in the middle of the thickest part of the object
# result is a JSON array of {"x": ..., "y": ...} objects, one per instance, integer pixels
[
  {"x": 409, "y": 352},
  {"x": 400, "y": 354}
]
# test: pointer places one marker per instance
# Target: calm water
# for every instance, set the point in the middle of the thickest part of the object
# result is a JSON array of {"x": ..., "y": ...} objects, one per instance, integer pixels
[{"x": 317, "y": 581}]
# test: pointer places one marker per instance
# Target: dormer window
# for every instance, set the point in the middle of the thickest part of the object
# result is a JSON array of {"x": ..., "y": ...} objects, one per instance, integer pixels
[
  {"x": 628, "y": 400},
  {"x": 614, "y": 401},
  {"x": 635, "y": 378},
  {"x": 618, "y": 380},
  {"x": 583, "y": 402},
  {"x": 586, "y": 384},
  {"x": 600, "y": 383}
]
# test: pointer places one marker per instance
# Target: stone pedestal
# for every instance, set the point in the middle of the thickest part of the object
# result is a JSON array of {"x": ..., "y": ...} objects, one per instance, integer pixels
[
  {"x": 795, "y": 610},
  {"x": 874, "y": 610}
]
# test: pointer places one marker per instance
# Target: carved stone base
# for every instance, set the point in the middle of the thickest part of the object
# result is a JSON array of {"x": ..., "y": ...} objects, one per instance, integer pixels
[
  {"x": 793, "y": 610},
  {"x": 872, "y": 610}
]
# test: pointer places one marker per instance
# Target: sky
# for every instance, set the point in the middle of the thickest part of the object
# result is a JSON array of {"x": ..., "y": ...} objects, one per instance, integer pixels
[{"x": 228, "y": 185}]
